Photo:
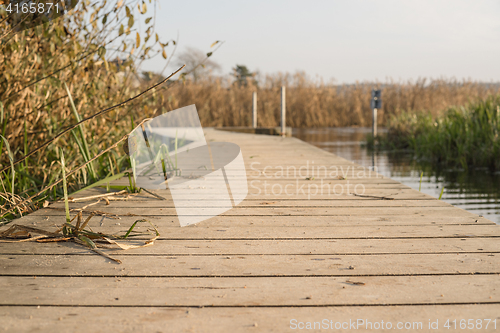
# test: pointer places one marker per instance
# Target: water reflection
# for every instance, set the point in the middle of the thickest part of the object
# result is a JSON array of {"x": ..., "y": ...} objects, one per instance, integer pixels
[{"x": 477, "y": 191}]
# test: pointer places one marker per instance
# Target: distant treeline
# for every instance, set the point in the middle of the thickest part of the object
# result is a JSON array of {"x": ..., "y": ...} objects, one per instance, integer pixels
[{"x": 222, "y": 102}]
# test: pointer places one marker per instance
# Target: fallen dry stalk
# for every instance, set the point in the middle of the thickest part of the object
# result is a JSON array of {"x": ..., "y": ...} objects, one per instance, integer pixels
[
  {"x": 159, "y": 197},
  {"x": 373, "y": 196},
  {"x": 78, "y": 234},
  {"x": 96, "y": 196}
]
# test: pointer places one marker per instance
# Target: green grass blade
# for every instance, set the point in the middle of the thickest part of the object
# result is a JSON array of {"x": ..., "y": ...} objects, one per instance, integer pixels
[
  {"x": 131, "y": 228},
  {"x": 111, "y": 168},
  {"x": 165, "y": 152},
  {"x": 132, "y": 188},
  {"x": 88, "y": 241},
  {"x": 102, "y": 182},
  {"x": 3, "y": 120},
  {"x": 84, "y": 148},
  {"x": 156, "y": 230},
  {"x": 175, "y": 167},
  {"x": 11, "y": 160},
  {"x": 420, "y": 185},
  {"x": 441, "y": 195},
  {"x": 65, "y": 188},
  {"x": 80, "y": 147},
  {"x": 25, "y": 142},
  {"x": 94, "y": 248}
]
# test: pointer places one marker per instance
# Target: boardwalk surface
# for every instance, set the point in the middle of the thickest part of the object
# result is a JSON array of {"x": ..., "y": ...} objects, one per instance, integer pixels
[{"x": 376, "y": 253}]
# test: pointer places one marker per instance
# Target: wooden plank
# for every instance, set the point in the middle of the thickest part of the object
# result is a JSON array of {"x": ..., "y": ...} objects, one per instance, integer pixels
[
  {"x": 282, "y": 169},
  {"x": 262, "y": 291},
  {"x": 242, "y": 319},
  {"x": 286, "y": 171},
  {"x": 301, "y": 229},
  {"x": 396, "y": 194},
  {"x": 167, "y": 265},
  {"x": 316, "y": 181},
  {"x": 266, "y": 211},
  {"x": 188, "y": 246},
  {"x": 263, "y": 204},
  {"x": 271, "y": 221}
]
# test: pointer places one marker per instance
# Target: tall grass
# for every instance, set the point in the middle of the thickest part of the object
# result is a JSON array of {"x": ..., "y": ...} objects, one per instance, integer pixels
[
  {"x": 313, "y": 103},
  {"x": 462, "y": 137},
  {"x": 52, "y": 76}
]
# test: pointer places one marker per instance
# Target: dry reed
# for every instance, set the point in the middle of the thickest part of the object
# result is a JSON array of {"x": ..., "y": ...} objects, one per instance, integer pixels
[{"x": 220, "y": 102}]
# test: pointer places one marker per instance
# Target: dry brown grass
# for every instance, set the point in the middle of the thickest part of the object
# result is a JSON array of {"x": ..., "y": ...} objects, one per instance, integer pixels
[
  {"x": 75, "y": 56},
  {"x": 317, "y": 104}
]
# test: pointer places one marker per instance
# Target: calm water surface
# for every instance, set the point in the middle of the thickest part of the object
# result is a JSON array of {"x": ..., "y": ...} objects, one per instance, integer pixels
[{"x": 477, "y": 191}]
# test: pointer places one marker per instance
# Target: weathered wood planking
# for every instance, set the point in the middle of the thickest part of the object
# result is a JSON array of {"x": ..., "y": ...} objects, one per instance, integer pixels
[
  {"x": 275, "y": 257},
  {"x": 399, "y": 194},
  {"x": 230, "y": 319},
  {"x": 240, "y": 265},
  {"x": 306, "y": 231},
  {"x": 277, "y": 246},
  {"x": 266, "y": 211},
  {"x": 248, "y": 291}
]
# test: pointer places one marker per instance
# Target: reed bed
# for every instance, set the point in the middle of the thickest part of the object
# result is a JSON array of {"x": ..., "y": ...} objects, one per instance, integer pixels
[
  {"x": 465, "y": 137},
  {"x": 312, "y": 103}
]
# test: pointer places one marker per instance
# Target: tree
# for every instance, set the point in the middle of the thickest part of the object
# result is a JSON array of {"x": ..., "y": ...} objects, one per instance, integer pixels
[
  {"x": 197, "y": 63},
  {"x": 243, "y": 75}
]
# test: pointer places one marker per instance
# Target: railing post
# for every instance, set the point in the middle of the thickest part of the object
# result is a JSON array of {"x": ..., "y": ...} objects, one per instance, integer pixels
[
  {"x": 254, "y": 109},
  {"x": 376, "y": 104},
  {"x": 283, "y": 111}
]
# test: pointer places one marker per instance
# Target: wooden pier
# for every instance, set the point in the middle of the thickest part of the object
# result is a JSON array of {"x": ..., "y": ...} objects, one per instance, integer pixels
[{"x": 384, "y": 252}]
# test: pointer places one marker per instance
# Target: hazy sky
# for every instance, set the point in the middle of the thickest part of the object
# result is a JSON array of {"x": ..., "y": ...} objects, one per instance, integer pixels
[{"x": 350, "y": 40}]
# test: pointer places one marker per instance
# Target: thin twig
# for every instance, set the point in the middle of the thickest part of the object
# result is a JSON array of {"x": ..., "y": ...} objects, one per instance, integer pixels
[
  {"x": 86, "y": 221},
  {"x": 96, "y": 196},
  {"x": 89, "y": 243},
  {"x": 85, "y": 207},
  {"x": 172, "y": 55},
  {"x": 153, "y": 194},
  {"x": 373, "y": 196},
  {"x": 52, "y": 240},
  {"x": 34, "y": 238},
  {"x": 82, "y": 210},
  {"x": 15, "y": 227}
]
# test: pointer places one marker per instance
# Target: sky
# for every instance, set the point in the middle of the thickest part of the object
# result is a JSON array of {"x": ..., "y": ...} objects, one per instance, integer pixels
[{"x": 346, "y": 41}]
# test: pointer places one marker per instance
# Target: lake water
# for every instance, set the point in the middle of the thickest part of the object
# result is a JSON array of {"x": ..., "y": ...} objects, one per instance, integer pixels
[{"x": 477, "y": 191}]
